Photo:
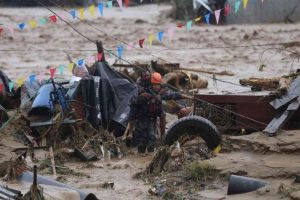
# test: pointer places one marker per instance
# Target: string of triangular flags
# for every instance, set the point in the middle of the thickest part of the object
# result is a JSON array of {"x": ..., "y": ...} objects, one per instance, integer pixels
[
  {"x": 120, "y": 48},
  {"x": 60, "y": 70}
]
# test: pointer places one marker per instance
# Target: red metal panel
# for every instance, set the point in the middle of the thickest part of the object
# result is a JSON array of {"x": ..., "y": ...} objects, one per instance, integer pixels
[{"x": 253, "y": 107}]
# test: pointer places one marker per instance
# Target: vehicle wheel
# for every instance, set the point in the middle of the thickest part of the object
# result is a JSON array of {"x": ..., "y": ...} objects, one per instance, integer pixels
[{"x": 194, "y": 126}]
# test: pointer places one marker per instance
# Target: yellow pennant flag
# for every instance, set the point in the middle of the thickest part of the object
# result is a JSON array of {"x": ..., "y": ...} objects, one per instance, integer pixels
[
  {"x": 81, "y": 13},
  {"x": 151, "y": 38},
  {"x": 198, "y": 19},
  {"x": 33, "y": 24},
  {"x": 20, "y": 82},
  {"x": 71, "y": 66},
  {"x": 245, "y": 2},
  {"x": 217, "y": 149},
  {"x": 92, "y": 10}
]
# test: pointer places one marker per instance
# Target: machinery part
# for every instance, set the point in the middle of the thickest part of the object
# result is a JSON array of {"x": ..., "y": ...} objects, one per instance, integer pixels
[
  {"x": 194, "y": 126},
  {"x": 241, "y": 184}
]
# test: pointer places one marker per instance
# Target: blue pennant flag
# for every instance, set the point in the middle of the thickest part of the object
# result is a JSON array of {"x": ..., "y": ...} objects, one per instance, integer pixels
[
  {"x": 207, "y": 18},
  {"x": 73, "y": 13},
  {"x": 120, "y": 51},
  {"x": 31, "y": 79},
  {"x": 100, "y": 8},
  {"x": 22, "y": 26},
  {"x": 80, "y": 62},
  {"x": 160, "y": 36}
]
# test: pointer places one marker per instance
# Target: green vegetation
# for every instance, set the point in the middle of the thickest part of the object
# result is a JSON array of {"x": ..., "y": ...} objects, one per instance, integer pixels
[{"x": 200, "y": 171}]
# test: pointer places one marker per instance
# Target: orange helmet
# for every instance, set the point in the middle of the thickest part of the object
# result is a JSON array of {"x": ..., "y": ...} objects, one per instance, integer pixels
[{"x": 156, "y": 78}]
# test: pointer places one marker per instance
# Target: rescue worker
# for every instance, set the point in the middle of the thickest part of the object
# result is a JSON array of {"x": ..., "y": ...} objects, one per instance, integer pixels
[{"x": 145, "y": 110}]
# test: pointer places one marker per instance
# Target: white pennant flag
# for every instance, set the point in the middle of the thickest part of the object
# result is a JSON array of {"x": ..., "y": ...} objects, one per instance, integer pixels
[{"x": 217, "y": 15}]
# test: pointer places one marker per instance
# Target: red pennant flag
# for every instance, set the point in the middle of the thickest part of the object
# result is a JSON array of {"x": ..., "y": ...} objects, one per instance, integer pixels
[
  {"x": 52, "y": 72},
  {"x": 53, "y": 18},
  {"x": 179, "y": 25},
  {"x": 1, "y": 88},
  {"x": 141, "y": 42},
  {"x": 99, "y": 56},
  {"x": 126, "y": 3},
  {"x": 226, "y": 10}
]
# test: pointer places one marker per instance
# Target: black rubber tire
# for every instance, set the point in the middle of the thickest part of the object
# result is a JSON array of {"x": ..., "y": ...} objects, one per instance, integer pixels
[{"x": 197, "y": 126}]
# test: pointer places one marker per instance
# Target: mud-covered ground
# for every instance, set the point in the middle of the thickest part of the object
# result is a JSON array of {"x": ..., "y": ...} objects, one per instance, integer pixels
[{"x": 274, "y": 159}]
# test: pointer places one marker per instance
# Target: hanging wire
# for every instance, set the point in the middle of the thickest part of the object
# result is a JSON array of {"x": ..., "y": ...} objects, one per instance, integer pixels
[{"x": 201, "y": 100}]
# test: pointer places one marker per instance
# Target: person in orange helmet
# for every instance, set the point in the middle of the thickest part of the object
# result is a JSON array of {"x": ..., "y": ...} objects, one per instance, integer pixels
[{"x": 145, "y": 111}]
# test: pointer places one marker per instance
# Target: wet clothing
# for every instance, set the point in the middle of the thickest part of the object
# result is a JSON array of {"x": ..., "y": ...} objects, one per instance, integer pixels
[
  {"x": 145, "y": 109},
  {"x": 143, "y": 86}
]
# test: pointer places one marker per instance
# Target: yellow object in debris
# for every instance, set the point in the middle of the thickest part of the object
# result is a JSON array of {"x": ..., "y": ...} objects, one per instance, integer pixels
[
  {"x": 217, "y": 149},
  {"x": 20, "y": 82},
  {"x": 197, "y": 19},
  {"x": 71, "y": 66},
  {"x": 81, "y": 13},
  {"x": 33, "y": 24}
]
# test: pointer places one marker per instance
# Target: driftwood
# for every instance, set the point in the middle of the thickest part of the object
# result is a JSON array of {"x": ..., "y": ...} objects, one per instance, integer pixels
[
  {"x": 278, "y": 83},
  {"x": 225, "y": 73},
  {"x": 156, "y": 166}
]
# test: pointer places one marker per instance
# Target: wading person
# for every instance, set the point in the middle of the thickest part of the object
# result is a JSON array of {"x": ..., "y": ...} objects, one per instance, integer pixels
[{"x": 144, "y": 112}]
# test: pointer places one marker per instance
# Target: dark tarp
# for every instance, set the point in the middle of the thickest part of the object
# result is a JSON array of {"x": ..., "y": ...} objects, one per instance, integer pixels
[{"x": 115, "y": 95}]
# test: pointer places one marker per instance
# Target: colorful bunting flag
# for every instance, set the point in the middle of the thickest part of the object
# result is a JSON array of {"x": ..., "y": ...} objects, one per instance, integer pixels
[
  {"x": 109, "y": 4},
  {"x": 245, "y": 2},
  {"x": 73, "y": 13},
  {"x": 42, "y": 21},
  {"x": 141, "y": 42},
  {"x": 11, "y": 30},
  {"x": 33, "y": 24},
  {"x": 110, "y": 54},
  {"x": 170, "y": 33},
  {"x": 151, "y": 38},
  {"x": 81, "y": 62},
  {"x": 20, "y": 81},
  {"x": 217, "y": 15},
  {"x": 61, "y": 69},
  {"x": 99, "y": 57},
  {"x": 198, "y": 19},
  {"x": 90, "y": 60},
  {"x": 179, "y": 25},
  {"x": 81, "y": 13},
  {"x": 52, "y": 72},
  {"x": 226, "y": 10},
  {"x": 53, "y": 18},
  {"x": 71, "y": 66},
  {"x": 207, "y": 16},
  {"x": 120, "y": 51},
  {"x": 11, "y": 86},
  {"x": 189, "y": 25},
  {"x": 237, "y": 6},
  {"x": 130, "y": 46},
  {"x": 21, "y": 26},
  {"x": 92, "y": 10},
  {"x": 100, "y": 8},
  {"x": 160, "y": 36},
  {"x": 120, "y": 3},
  {"x": 1, "y": 87},
  {"x": 31, "y": 79}
]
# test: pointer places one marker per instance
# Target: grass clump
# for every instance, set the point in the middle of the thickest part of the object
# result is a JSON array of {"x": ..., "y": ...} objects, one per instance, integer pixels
[{"x": 200, "y": 171}]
